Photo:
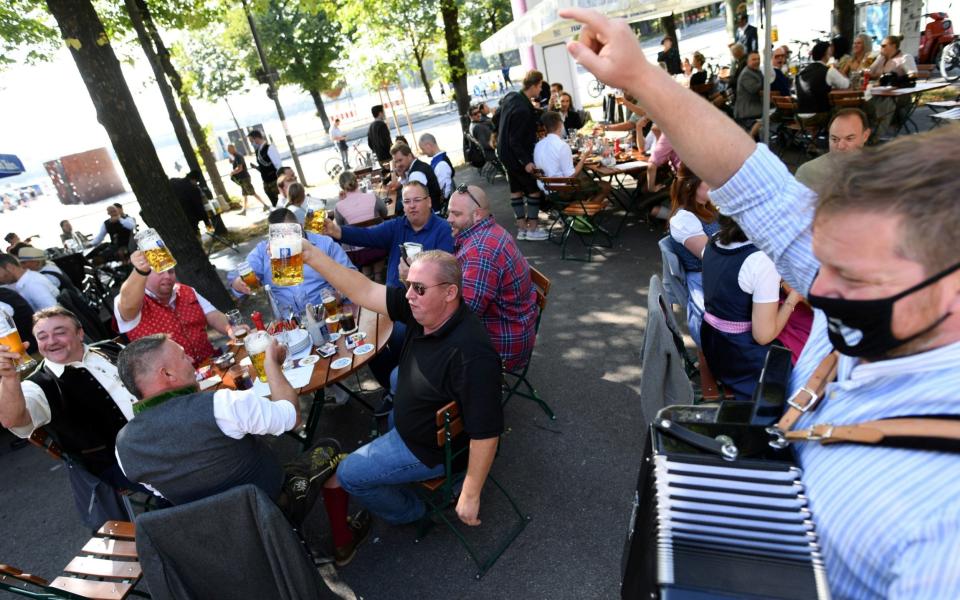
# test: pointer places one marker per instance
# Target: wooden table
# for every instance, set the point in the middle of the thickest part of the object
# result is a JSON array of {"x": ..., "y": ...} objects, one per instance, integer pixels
[
  {"x": 627, "y": 199},
  {"x": 378, "y": 329},
  {"x": 916, "y": 91}
]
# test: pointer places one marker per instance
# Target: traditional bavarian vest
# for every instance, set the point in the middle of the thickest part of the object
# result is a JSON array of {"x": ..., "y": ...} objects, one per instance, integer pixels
[
  {"x": 691, "y": 263},
  {"x": 438, "y": 158},
  {"x": 84, "y": 419},
  {"x": 177, "y": 448},
  {"x": 268, "y": 170},
  {"x": 185, "y": 322},
  {"x": 722, "y": 295},
  {"x": 119, "y": 235}
]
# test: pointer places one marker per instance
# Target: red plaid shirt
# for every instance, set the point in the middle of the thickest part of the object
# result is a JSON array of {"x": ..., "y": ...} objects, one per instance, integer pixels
[{"x": 497, "y": 286}]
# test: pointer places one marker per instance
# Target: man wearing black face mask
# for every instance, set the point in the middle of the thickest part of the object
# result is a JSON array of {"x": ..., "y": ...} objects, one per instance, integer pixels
[{"x": 876, "y": 254}]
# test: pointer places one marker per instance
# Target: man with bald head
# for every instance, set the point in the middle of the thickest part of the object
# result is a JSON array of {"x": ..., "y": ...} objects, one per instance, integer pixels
[
  {"x": 849, "y": 131},
  {"x": 439, "y": 162},
  {"x": 496, "y": 276}
]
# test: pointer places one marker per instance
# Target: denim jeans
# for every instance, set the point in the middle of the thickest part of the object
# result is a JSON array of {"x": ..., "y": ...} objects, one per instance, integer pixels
[{"x": 377, "y": 474}]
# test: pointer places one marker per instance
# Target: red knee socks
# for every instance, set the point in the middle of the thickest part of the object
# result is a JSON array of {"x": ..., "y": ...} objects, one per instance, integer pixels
[{"x": 335, "y": 499}]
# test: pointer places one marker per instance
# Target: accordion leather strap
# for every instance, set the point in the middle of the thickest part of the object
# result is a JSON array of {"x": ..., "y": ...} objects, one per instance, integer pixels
[
  {"x": 807, "y": 397},
  {"x": 915, "y": 432}
]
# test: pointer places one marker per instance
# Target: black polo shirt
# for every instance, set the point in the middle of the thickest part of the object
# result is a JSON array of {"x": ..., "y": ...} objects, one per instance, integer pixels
[{"x": 456, "y": 362}]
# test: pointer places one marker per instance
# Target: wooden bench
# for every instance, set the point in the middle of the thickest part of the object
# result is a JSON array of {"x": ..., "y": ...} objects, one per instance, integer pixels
[
  {"x": 106, "y": 568},
  {"x": 710, "y": 390}
]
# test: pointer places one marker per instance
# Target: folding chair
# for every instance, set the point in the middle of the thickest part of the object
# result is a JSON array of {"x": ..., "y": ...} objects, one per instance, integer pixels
[
  {"x": 106, "y": 568},
  {"x": 795, "y": 128},
  {"x": 665, "y": 379},
  {"x": 439, "y": 493},
  {"x": 580, "y": 217},
  {"x": 542, "y": 285}
]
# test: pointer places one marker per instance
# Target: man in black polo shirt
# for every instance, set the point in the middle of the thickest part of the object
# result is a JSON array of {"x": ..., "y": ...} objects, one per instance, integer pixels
[{"x": 446, "y": 355}]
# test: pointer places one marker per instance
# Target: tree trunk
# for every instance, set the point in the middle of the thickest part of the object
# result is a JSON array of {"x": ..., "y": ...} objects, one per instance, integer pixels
[
  {"x": 669, "y": 27},
  {"x": 730, "y": 17},
  {"x": 198, "y": 135},
  {"x": 116, "y": 111},
  {"x": 321, "y": 109},
  {"x": 844, "y": 15},
  {"x": 176, "y": 119},
  {"x": 458, "y": 67},
  {"x": 417, "y": 56}
]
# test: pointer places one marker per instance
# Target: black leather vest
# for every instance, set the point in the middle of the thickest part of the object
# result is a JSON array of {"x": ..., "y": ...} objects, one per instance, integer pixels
[
  {"x": 119, "y": 235},
  {"x": 813, "y": 93},
  {"x": 268, "y": 170}
]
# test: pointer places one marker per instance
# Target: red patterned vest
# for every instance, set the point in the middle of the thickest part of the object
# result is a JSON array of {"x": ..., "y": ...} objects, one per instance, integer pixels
[{"x": 185, "y": 323}]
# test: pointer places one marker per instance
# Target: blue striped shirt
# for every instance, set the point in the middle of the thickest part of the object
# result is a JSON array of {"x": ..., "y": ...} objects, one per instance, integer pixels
[{"x": 888, "y": 519}]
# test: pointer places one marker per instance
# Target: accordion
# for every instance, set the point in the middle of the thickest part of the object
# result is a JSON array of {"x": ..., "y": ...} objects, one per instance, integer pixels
[{"x": 709, "y": 526}]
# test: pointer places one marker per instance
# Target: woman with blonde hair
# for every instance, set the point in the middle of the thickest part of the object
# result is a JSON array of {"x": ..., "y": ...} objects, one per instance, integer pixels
[
  {"x": 355, "y": 207},
  {"x": 859, "y": 58}
]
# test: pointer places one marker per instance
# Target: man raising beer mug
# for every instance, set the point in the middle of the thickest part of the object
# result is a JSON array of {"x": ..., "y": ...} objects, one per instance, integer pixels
[{"x": 150, "y": 302}]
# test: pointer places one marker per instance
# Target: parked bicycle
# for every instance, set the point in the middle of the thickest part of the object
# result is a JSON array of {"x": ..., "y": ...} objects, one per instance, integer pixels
[{"x": 358, "y": 156}]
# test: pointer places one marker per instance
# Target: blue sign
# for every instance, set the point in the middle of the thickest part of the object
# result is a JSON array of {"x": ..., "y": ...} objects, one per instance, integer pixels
[{"x": 10, "y": 165}]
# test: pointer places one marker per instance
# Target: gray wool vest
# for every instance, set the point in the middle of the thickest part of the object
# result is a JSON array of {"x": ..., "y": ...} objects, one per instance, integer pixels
[{"x": 177, "y": 449}]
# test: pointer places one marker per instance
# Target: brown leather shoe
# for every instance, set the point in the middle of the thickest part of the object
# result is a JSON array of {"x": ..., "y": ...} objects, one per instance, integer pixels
[{"x": 360, "y": 526}]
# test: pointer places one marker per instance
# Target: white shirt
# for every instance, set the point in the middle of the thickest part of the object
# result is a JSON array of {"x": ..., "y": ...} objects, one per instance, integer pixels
[
  {"x": 128, "y": 222},
  {"x": 685, "y": 225},
  {"x": 240, "y": 413},
  {"x": 334, "y": 133},
  {"x": 274, "y": 155},
  {"x": 102, "y": 370},
  {"x": 6, "y": 308},
  {"x": 758, "y": 276},
  {"x": 553, "y": 156},
  {"x": 298, "y": 211},
  {"x": 836, "y": 80},
  {"x": 649, "y": 141},
  {"x": 125, "y": 326},
  {"x": 444, "y": 178},
  {"x": 37, "y": 290}
]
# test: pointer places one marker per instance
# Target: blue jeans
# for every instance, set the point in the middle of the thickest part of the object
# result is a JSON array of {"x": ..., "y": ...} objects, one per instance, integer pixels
[{"x": 377, "y": 474}]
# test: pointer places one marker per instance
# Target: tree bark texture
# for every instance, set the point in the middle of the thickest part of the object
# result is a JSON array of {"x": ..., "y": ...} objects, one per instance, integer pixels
[
  {"x": 209, "y": 161},
  {"x": 845, "y": 14},
  {"x": 176, "y": 119},
  {"x": 90, "y": 47},
  {"x": 730, "y": 17},
  {"x": 418, "y": 56},
  {"x": 321, "y": 109},
  {"x": 458, "y": 67}
]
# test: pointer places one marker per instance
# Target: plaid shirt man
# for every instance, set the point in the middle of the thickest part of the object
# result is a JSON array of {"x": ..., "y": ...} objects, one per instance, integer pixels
[{"x": 497, "y": 286}]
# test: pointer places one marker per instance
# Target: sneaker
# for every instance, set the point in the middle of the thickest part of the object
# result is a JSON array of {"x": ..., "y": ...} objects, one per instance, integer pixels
[
  {"x": 521, "y": 235},
  {"x": 537, "y": 235},
  {"x": 360, "y": 526}
]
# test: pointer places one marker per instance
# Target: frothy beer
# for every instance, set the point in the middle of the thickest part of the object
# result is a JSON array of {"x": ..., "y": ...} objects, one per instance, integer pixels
[
  {"x": 249, "y": 277},
  {"x": 10, "y": 337},
  {"x": 314, "y": 220},
  {"x": 256, "y": 345},
  {"x": 286, "y": 254},
  {"x": 155, "y": 251},
  {"x": 330, "y": 304}
]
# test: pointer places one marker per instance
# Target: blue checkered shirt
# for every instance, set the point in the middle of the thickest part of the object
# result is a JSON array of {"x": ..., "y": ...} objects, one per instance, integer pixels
[{"x": 888, "y": 519}]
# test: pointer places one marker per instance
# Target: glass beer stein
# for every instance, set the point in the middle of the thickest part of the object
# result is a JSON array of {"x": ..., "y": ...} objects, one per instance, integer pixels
[
  {"x": 286, "y": 254},
  {"x": 157, "y": 253}
]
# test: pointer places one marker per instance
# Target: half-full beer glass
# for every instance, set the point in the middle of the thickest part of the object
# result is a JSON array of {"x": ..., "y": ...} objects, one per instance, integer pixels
[
  {"x": 155, "y": 250},
  {"x": 286, "y": 253},
  {"x": 256, "y": 344},
  {"x": 10, "y": 337},
  {"x": 316, "y": 215},
  {"x": 248, "y": 276}
]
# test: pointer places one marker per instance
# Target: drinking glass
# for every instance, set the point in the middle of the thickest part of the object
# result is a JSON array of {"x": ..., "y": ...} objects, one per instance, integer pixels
[
  {"x": 348, "y": 319},
  {"x": 72, "y": 246},
  {"x": 286, "y": 253},
  {"x": 331, "y": 304},
  {"x": 316, "y": 215},
  {"x": 256, "y": 343},
  {"x": 238, "y": 324},
  {"x": 249, "y": 277},
  {"x": 10, "y": 337},
  {"x": 157, "y": 253}
]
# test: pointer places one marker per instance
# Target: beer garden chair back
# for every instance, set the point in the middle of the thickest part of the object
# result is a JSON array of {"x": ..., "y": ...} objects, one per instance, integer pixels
[
  {"x": 439, "y": 493},
  {"x": 519, "y": 378},
  {"x": 578, "y": 216}
]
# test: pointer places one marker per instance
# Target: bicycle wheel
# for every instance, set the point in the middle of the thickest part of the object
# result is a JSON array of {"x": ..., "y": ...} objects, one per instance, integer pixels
[
  {"x": 333, "y": 167},
  {"x": 950, "y": 62},
  {"x": 595, "y": 88}
]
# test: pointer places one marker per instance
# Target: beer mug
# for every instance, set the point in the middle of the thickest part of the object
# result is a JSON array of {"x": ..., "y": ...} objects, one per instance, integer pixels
[
  {"x": 286, "y": 254},
  {"x": 159, "y": 257},
  {"x": 72, "y": 246},
  {"x": 248, "y": 276},
  {"x": 10, "y": 337},
  {"x": 316, "y": 215},
  {"x": 330, "y": 303},
  {"x": 256, "y": 343},
  {"x": 410, "y": 250},
  {"x": 238, "y": 324}
]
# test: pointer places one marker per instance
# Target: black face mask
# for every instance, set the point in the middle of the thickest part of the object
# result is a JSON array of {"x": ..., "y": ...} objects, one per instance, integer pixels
[{"x": 863, "y": 328}]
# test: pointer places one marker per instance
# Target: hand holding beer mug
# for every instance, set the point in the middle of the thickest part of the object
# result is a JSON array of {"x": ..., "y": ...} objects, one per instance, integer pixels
[
  {"x": 13, "y": 349},
  {"x": 256, "y": 344},
  {"x": 248, "y": 278},
  {"x": 286, "y": 253},
  {"x": 155, "y": 250}
]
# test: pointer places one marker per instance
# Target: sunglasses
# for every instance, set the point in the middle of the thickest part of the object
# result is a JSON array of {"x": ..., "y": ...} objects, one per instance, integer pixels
[
  {"x": 464, "y": 189},
  {"x": 420, "y": 288}
]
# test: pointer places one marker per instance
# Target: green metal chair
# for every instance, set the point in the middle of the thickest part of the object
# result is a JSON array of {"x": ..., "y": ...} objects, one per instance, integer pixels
[
  {"x": 519, "y": 378},
  {"x": 439, "y": 494},
  {"x": 578, "y": 217}
]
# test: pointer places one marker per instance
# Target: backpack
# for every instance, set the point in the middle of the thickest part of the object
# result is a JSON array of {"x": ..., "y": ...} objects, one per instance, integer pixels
[{"x": 472, "y": 151}]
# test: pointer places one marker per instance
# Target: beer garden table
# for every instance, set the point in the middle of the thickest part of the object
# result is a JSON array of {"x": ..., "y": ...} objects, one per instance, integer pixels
[
  {"x": 378, "y": 329},
  {"x": 634, "y": 165},
  {"x": 915, "y": 92}
]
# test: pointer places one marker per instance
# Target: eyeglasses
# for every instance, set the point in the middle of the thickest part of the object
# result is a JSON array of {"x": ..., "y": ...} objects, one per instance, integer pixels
[
  {"x": 779, "y": 55},
  {"x": 464, "y": 189},
  {"x": 409, "y": 201},
  {"x": 420, "y": 288}
]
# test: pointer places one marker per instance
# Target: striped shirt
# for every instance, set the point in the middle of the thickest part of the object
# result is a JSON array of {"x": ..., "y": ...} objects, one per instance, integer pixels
[{"x": 888, "y": 519}]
